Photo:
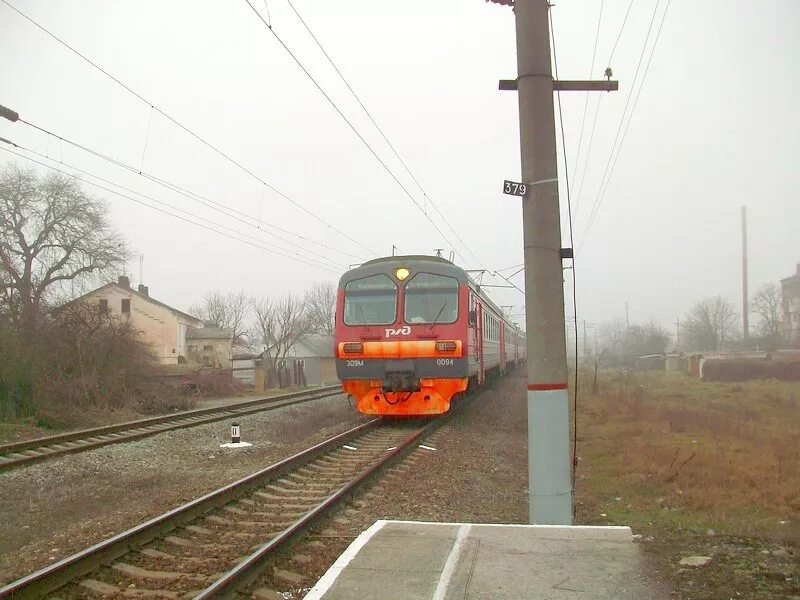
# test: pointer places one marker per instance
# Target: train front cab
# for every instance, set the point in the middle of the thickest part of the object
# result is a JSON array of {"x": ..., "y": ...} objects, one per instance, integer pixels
[{"x": 401, "y": 336}]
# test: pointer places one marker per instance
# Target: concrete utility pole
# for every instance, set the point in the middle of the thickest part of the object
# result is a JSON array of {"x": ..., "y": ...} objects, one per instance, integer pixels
[
  {"x": 548, "y": 398},
  {"x": 745, "y": 323}
]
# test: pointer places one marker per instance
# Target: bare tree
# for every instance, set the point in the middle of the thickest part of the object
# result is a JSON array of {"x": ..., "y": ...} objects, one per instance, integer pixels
[
  {"x": 650, "y": 338},
  {"x": 320, "y": 303},
  {"x": 280, "y": 325},
  {"x": 51, "y": 234},
  {"x": 226, "y": 310},
  {"x": 710, "y": 323},
  {"x": 766, "y": 303}
]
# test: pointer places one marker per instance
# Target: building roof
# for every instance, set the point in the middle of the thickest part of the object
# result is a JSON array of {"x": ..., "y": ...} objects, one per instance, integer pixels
[
  {"x": 315, "y": 345},
  {"x": 147, "y": 297},
  {"x": 209, "y": 333}
]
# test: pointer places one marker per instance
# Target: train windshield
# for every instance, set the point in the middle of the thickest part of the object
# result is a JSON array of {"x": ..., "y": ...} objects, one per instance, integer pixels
[
  {"x": 431, "y": 299},
  {"x": 370, "y": 301}
]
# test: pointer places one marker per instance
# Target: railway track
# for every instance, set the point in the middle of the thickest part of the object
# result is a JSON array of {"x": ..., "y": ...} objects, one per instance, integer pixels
[
  {"x": 29, "y": 451},
  {"x": 218, "y": 544}
]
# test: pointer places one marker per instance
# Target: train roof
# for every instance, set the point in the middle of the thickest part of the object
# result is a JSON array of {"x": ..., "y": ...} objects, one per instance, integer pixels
[
  {"x": 414, "y": 263},
  {"x": 420, "y": 262}
]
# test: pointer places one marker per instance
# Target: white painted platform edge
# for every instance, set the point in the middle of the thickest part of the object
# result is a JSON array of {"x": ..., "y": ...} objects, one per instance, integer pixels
[
  {"x": 451, "y": 562},
  {"x": 584, "y": 527},
  {"x": 326, "y": 581}
]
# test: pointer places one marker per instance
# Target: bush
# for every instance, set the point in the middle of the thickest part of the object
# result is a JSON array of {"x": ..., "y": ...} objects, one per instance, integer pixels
[{"x": 75, "y": 359}]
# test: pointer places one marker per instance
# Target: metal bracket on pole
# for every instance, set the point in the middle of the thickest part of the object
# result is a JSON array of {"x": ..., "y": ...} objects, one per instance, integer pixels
[
  {"x": 510, "y": 85},
  {"x": 566, "y": 253}
]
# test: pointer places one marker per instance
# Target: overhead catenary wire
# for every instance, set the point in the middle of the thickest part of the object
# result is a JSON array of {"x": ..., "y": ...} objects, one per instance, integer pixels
[
  {"x": 213, "y": 204},
  {"x": 186, "y": 129},
  {"x": 352, "y": 127},
  {"x": 270, "y": 247},
  {"x": 606, "y": 170},
  {"x": 231, "y": 233},
  {"x": 381, "y": 132}
]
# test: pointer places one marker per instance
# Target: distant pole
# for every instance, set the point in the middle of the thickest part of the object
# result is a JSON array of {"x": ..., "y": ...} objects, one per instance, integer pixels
[
  {"x": 677, "y": 333},
  {"x": 627, "y": 317},
  {"x": 745, "y": 324},
  {"x": 584, "y": 339}
]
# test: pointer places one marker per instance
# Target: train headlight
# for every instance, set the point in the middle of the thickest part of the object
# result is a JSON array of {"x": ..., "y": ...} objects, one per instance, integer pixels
[
  {"x": 446, "y": 346},
  {"x": 402, "y": 273},
  {"x": 353, "y": 347}
]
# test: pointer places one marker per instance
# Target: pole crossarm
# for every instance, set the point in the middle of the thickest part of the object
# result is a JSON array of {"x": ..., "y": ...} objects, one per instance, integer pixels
[{"x": 602, "y": 85}]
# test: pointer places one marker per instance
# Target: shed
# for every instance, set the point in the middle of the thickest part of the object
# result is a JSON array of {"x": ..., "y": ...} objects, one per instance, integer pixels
[
  {"x": 677, "y": 362},
  {"x": 651, "y": 362},
  {"x": 314, "y": 358},
  {"x": 210, "y": 347}
]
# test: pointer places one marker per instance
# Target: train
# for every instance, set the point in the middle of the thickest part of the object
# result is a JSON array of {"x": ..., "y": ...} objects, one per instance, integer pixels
[{"x": 414, "y": 332}]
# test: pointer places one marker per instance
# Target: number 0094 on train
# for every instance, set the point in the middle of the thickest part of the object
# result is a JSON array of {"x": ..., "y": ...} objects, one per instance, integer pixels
[{"x": 412, "y": 332}]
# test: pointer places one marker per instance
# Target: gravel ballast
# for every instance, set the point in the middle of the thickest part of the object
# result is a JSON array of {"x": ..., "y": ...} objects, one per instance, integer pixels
[{"x": 52, "y": 509}]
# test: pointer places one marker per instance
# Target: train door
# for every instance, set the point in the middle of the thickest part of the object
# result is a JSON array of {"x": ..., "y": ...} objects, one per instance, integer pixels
[
  {"x": 503, "y": 352},
  {"x": 479, "y": 348}
]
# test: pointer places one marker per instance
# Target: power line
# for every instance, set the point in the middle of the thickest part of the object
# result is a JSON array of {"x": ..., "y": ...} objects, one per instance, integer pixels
[
  {"x": 588, "y": 153},
  {"x": 586, "y": 103},
  {"x": 597, "y": 107},
  {"x": 232, "y": 235},
  {"x": 350, "y": 124},
  {"x": 184, "y": 127},
  {"x": 214, "y": 205},
  {"x": 380, "y": 131},
  {"x": 633, "y": 108},
  {"x": 598, "y": 197},
  {"x": 619, "y": 35}
]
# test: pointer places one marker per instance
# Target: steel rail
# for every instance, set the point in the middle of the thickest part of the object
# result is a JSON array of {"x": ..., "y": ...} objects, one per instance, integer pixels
[
  {"x": 60, "y": 573},
  {"x": 248, "y": 569},
  {"x": 37, "y": 449}
]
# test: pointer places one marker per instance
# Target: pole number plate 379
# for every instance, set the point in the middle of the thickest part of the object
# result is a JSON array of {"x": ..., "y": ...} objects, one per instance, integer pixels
[{"x": 512, "y": 188}]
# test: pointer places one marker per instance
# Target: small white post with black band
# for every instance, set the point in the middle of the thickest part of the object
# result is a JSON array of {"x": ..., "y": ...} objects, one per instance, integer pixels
[{"x": 236, "y": 438}]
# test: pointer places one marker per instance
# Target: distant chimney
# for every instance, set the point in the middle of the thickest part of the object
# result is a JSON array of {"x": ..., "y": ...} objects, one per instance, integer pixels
[
  {"x": 124, "y": 282},
  {"x": 144, "y": 290}
]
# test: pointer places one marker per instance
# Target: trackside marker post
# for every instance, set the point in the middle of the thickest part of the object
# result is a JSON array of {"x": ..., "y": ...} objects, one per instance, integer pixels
[{"x": 236, "y": 438}]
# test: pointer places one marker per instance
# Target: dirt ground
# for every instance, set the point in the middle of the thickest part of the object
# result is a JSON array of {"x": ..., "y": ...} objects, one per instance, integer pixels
[
  {"x": 52, "y": 509},
  {"x": 698, "y": 469},
  {"x": 677, "y": 506}
]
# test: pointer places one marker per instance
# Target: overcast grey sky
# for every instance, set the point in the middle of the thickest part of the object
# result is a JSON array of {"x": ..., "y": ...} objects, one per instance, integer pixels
[{"x": 716, "y": 126}]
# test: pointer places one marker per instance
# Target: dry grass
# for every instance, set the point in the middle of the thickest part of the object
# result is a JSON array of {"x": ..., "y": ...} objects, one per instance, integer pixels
[{"x": 662, "y": 450}]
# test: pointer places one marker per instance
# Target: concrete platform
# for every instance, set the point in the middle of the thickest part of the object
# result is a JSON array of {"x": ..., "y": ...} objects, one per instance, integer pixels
[{"x": 405, "y": 560}]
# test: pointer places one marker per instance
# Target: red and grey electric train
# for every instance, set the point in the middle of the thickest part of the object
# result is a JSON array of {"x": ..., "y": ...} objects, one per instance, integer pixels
[{"x": 414, "y": 331}]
